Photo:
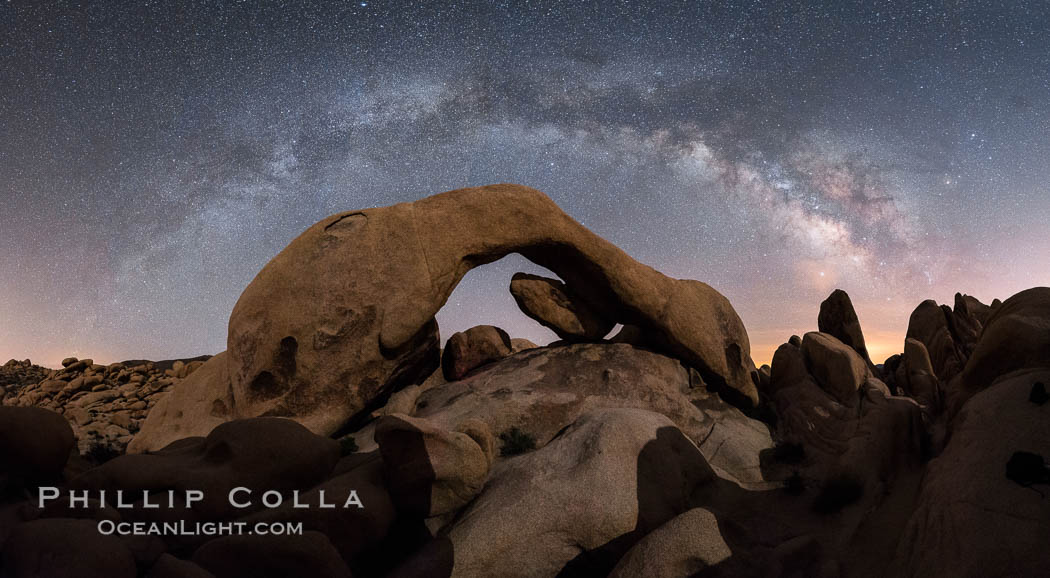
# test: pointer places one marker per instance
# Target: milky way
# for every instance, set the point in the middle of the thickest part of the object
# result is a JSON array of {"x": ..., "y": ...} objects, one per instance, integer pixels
[{"x": 153, "y": 158}]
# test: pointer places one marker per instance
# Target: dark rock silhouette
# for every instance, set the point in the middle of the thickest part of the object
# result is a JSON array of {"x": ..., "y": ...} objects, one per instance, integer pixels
[
  {"x": 34, "y": 444},
  {"x": 1027, "y": 468},
  {"x": 310, "y": 554},
  {"x": 1038, "y": 394}
]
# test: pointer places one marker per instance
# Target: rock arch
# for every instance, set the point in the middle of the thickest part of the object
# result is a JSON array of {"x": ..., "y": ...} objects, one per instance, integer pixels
[{"x": 357, "y": 293}]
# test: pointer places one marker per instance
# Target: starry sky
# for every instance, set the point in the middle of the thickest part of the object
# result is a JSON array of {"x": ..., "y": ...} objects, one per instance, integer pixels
[{"x": 155, "y": 155}]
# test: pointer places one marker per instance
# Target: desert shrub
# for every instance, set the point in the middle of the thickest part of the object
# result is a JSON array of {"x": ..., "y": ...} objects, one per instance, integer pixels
[
  {"x": 100, "y": 452},
  {"x": 837, "y": 493},
  {"x": 347, "y": 446},
  {"x": 794, "y": 485},
  {"x": 789, "y": 453},
  {"x": 516, "y": 442}
]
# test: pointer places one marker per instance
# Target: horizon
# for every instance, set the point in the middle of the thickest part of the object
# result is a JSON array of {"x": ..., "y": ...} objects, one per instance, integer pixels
[{"x": 773, "y": 152}]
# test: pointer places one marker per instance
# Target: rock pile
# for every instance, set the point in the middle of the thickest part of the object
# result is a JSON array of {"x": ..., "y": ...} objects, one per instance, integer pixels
[
  {"x": 105, "y": 404},
  {"x": 15, "y": 374}
]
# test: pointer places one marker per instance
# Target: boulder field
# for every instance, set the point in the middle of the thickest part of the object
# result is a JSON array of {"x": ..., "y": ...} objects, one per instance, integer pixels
[{"x": 657, "y": 451}]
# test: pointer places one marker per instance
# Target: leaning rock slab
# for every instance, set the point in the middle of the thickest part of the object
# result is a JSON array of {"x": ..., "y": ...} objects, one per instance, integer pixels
[
  {"x": 929, "y": 324},
  {"x": 555, "y": 306},
  {"x": 838, "y": 369}
]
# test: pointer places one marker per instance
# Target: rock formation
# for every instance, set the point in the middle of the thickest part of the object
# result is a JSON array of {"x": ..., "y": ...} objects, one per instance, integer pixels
[
  {"x": 838, "y": 319},
  {"x": 541, "y": 391},
  {"x": 468, "y": 350},
  {"x": 554, "y": 305},
  {"x": 325, "y": 348},
  {"x": 105, "y": 404},
  {"x": 634, "y": 456},
  {"x": 949, "y": 335},
  {"x": 989, "y": 525},
  {"x": 1016, "y": 336}
]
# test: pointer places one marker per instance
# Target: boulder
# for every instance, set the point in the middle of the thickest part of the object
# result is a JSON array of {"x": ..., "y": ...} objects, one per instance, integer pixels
[
  {"x": 929, "y": 325},
  {"x": 555, "y": 306},
  {"x": 468, "y": 350},
  {"x": 344, "y": 315},
  {"x": 541, "y": 391},
  {"x": 922, "y": 383},
  {"x": 971, "y": 307},
  {"x": 34, "y": 443},
  {"x": 971, "y": 519},
  {"x": 168, "y": 566},
  {"x": 192, "y": 408},
  {"x": 838, "y": 319},
  {"x": 270, "y": 556},
  {"x": 837, "y": 368},
  {"x": 521, "y": 344},
  {"x": 579, "y": 503},
  {"x": 431, "y": 471},
  {"x": 67, "y": 548},
  {"x": 1017, "y": 336},
  {"x": 683, "y": 546},
  {"x": 353, "y": 530},
  {"x": 260, "y": 454},
  {"x": 867, "y": 437}
]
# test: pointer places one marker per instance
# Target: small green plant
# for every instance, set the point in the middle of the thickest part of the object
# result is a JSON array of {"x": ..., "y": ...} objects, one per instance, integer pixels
[
  {"x": 347, "y": 446},
  {"x": 516, "y": 442}
]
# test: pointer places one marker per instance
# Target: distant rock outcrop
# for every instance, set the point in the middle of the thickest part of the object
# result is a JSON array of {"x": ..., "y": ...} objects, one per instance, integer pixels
[
  {"x": 105, "y": 404},
  {"x": 16, "y": 374}
]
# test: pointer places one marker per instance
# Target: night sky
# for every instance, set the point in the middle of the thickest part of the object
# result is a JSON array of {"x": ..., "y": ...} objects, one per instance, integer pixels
[{"x": 153, "y": 158}]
